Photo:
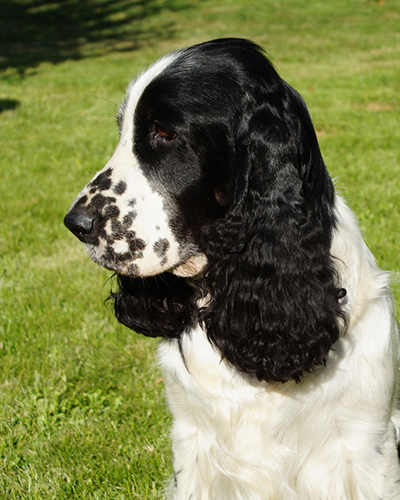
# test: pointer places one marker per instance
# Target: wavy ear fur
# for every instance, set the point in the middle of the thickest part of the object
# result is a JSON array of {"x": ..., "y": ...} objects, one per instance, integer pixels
[
  {"x": 160, "y": 306},
  {"x": 274, "y": 309}
]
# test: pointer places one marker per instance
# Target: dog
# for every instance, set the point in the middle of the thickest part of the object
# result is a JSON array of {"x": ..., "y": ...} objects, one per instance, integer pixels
[{"x": 279, "y": 347}]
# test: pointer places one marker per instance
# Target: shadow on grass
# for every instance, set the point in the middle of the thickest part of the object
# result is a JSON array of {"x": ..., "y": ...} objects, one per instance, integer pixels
[
  {"x": 8, "y": 105},
  {"x": 33, "y": 31}
]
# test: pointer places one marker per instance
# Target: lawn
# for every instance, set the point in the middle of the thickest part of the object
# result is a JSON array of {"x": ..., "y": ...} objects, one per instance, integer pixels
[{"x": 83, "y": 414}]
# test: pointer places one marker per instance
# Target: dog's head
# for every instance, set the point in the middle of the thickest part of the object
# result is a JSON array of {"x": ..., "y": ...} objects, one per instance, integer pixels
[{"x": 218, "y": 175}]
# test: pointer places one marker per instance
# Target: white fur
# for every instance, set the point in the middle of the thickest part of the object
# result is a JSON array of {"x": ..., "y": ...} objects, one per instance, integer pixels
[
  {"x": 151, "y": 222},
  {"x": 330, "y": 437}
]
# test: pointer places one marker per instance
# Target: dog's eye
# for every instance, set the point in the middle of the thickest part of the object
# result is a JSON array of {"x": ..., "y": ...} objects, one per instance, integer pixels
[{"x": 163, "y": 134}]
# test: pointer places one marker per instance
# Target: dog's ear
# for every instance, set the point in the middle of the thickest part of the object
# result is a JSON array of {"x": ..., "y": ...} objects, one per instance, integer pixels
[
  {"x": 273, "y": 309},
  {"x": 159, "y": 306}
]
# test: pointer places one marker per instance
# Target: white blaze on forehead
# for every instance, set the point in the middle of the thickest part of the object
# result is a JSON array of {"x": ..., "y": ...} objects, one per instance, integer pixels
[{"x": 135, "y": 91}]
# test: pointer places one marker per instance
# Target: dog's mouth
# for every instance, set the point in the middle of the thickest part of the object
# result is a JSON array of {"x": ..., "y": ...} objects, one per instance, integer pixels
[
  {"x": 193, "y": 267},
  {"x": 113, "y": 257}
]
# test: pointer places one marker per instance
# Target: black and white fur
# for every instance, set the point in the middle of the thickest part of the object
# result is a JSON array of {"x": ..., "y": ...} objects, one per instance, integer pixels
[{"x": 280, "y": 343}]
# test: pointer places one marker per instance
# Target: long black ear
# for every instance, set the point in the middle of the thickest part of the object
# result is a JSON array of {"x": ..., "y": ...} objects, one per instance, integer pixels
[
  {"x": 274, "y": 309},
  {"x": 160, "y": 306}
]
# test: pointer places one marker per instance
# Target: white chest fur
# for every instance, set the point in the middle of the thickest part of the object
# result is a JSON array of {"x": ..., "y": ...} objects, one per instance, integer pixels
[{"x": 238, "y": 439}]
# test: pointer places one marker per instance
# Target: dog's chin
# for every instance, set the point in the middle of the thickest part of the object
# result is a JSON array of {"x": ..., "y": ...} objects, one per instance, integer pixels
[
  {"x": 126, "y": 268},
  {"x": 141, "y": 268}
]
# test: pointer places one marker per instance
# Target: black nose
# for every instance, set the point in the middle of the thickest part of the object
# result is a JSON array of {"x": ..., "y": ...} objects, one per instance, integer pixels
[{"x": 80, "y": 224}]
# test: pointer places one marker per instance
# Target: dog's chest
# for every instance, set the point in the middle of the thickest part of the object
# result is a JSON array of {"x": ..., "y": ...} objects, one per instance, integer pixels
[
  {"x": 224, "y": 423},
  {"x": 211, "y": 398},
  {"x": 231, "y": 434}
]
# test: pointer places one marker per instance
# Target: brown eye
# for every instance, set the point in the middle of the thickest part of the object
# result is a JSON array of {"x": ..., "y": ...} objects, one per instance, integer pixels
[{"x": 163, "y": 134}]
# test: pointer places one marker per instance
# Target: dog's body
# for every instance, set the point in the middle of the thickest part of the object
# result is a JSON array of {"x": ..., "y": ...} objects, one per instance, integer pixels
[
  {"x": 328, "y": 437},
  {"x": 280, "y": 351}
]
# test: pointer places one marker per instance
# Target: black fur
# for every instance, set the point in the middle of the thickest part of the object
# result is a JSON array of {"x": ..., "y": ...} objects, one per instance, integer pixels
[
  {"x": 250, "y": 191},
  {"x": 159, "y": 306}
]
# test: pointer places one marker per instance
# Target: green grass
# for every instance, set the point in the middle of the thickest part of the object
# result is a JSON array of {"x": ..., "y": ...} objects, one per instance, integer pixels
[{"x": 82, "y": 404}]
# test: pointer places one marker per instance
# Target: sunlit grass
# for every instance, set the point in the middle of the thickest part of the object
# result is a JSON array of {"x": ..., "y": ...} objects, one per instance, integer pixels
[{"x": 81, "y": 401}]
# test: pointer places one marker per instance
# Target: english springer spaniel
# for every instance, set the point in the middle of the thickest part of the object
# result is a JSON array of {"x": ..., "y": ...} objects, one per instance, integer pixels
[{"x": 280, "y": 343}]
